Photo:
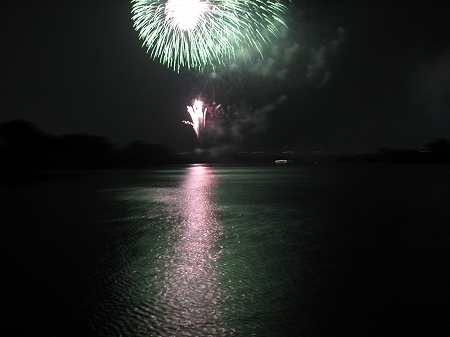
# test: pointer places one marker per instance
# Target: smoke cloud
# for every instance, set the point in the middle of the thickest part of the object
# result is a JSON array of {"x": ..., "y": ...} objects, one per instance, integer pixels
[
  {"x": 235, "y": 124},
  {"x": 316, "y": 71},
  {"x": 252, "y": 87}
]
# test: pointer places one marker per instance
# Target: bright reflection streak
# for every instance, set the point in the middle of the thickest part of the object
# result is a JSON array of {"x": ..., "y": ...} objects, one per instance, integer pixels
[{"x": 191, "y": 293}]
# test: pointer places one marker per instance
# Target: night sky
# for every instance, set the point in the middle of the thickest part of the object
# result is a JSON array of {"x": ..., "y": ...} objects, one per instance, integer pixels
[{"x": 347, "y": 77}]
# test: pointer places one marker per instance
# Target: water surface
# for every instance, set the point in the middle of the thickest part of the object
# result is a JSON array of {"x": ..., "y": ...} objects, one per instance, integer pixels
[{"x": 207, "y": 250}]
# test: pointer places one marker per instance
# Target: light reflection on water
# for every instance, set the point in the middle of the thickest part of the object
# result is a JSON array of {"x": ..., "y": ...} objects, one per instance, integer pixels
[
  {"x": 188, "y": 301},
  {"x": 221, "y": 251}
]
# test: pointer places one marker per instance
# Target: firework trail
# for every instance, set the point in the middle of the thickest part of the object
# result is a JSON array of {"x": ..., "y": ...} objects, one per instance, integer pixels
[
  {"x": 194, "y": 34},
  {"x": 198, "y": 116}
]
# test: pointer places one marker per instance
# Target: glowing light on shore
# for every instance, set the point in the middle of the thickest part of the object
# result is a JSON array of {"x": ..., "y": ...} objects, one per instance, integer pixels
[{"x": 198, "y": 116}]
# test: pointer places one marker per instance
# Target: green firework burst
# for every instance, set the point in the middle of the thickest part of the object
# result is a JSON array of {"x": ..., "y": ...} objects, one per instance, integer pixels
[{"x": 196, "y": 33}]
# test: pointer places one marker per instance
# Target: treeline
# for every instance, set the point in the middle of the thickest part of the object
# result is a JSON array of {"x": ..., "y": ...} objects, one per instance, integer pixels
[
  {"x": 23, "y": 147},
  {"x": 437, "y": 152}
]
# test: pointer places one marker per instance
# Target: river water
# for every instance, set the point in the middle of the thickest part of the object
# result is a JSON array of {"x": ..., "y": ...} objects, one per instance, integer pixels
[{"x": 206, "y": 250}]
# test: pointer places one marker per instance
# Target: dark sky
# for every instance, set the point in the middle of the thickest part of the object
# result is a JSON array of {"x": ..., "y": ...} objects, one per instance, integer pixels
[{"x": 348, "y": 76}]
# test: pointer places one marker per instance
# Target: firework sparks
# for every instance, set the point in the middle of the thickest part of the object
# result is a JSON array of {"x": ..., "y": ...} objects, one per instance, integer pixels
[
  {"x": 198, "y": 116},
  {"x": 184, "y": 14},
  {"x": 197, "y": 33}
]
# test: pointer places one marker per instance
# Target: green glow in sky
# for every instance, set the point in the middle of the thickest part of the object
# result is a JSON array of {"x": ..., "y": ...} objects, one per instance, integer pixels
[{"x": 193, "y": 34}]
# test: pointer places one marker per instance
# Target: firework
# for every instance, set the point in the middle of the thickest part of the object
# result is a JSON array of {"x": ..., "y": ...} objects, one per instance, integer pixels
[
  {"x": 197, "y": 33},
  {"x": 198, "y": 116}
]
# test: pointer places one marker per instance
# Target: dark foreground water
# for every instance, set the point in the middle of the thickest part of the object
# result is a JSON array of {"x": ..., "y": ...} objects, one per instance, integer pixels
[{"x": 333, "y": 250}]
